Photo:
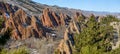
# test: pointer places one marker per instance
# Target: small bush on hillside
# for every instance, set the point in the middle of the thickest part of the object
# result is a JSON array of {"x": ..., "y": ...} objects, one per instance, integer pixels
[{"x": 21, "y": 50}]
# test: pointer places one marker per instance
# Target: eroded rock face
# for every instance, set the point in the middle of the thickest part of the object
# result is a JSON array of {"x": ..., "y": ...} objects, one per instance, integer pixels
[
  {"x": 68, "y": 42},
  {"x": 22, "y": 25},
  {"x": 62, "y": 18},
  {"x": 46, "y": 19},
  {"x": 7, "y": 8},
  {"x": 74, "y": 28},
  {"x": 65, "y": 44},
  {"x": 51, "y": 19}
]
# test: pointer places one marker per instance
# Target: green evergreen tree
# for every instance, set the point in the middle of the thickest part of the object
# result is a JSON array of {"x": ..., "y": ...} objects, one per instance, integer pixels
[{"x": 95, "y": 38}]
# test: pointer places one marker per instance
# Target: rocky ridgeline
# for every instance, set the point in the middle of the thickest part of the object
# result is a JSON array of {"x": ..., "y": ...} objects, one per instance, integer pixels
[
  {"x": 24, "y": 26},
  {"x": 51, "y": 19}
]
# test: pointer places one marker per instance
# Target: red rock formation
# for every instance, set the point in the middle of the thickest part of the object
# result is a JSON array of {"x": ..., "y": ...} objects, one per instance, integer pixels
[
  {"x": 46, "y": 20},
  {"x": 4, "y": 7},
  {"x": 15, "y": 34},
  {"x": 62, "y": 19},
  {"x": 36, "y": 30},
  {"x": 22, "y": 26},
  {"x": 56, "y": 17},
  {"x": 51, "y": 19}
]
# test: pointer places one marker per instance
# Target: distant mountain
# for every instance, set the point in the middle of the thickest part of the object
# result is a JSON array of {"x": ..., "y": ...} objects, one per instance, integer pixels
[{"x": 36, "y": 8}]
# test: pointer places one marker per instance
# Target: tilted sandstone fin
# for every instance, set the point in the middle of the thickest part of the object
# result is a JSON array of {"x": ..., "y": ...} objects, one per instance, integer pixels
[
  {"x": 66, "y": 44},
  {"x": 51, "y": 19},
  {"x": 22, "y": 25}
]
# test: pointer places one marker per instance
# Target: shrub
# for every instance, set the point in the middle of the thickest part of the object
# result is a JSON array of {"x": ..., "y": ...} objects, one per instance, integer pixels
[{"x": 21, "y": 50}]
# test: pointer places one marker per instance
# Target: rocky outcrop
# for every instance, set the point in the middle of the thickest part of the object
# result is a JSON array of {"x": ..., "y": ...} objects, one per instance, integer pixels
[
  {"x": 66, "y": 44},
  {"x": 51, "y": 19},
  {"x": 62, "y": 18},
  {"x": 7, "y": 8},
  {"x": 22, "y": 26},
  {"x": 116, "y": 35},
  {"x": 29, "y": 27},
  {"x": 46, "y": 19},
  {"x": 74, "y": 27}
]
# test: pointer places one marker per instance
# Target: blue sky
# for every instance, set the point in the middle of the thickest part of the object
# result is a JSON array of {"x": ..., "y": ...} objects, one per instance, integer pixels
[{"x": 90, "y": 5}]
